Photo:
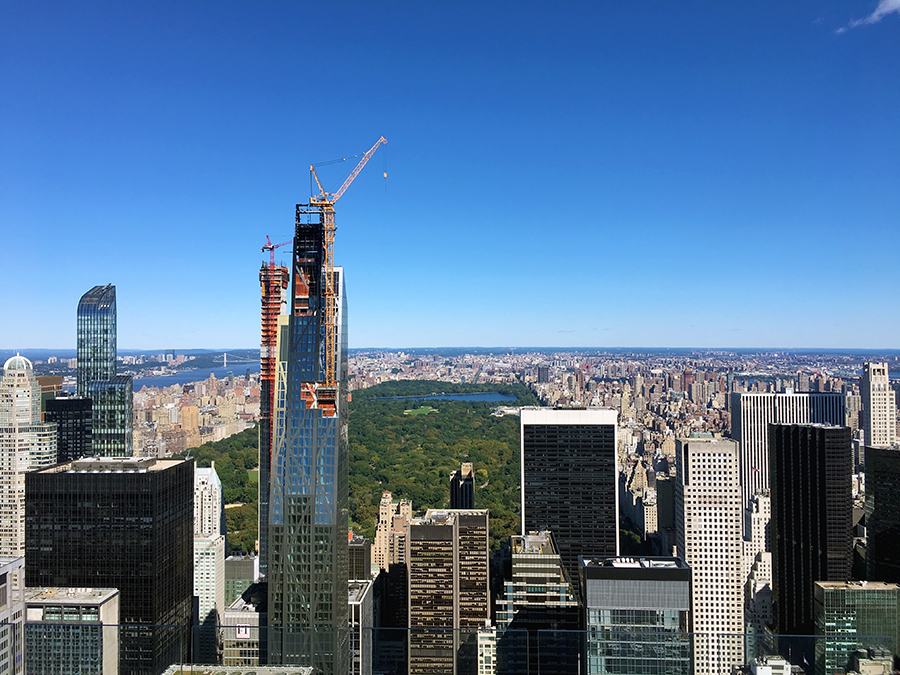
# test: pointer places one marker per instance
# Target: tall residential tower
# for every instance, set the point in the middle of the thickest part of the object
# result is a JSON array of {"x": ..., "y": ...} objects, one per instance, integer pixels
[
  {"x": 308, "y": 552},
  {"x": 111, "y": 395}
]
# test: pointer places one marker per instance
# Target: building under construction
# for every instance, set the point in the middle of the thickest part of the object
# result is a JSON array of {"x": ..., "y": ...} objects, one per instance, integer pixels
[
  {"x": 307, "y": 557},
  {"x": 273, "y": 281}
]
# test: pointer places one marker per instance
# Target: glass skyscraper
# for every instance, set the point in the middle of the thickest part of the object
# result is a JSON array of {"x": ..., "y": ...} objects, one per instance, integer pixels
[
  {"x": 111, "y": 394},
  {"x": 308, "y": 550}
]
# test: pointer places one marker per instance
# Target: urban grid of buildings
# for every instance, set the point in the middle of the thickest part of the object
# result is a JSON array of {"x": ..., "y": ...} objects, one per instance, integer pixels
[{"x": 764, "y": 490}]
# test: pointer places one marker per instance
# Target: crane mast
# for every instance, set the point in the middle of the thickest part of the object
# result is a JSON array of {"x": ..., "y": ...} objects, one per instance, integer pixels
[{"x": 325, "y": 202}]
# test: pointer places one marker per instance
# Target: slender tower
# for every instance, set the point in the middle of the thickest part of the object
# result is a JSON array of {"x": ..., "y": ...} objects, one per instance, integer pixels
[
  {"x": 273, "y": 282},
  {"x": 879, "y": 408},
  {"x": 308, "y": 552}
]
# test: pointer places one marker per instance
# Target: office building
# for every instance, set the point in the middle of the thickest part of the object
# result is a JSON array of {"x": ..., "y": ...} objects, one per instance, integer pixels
[
  {"x": 362, "y": 626},
  {"x": 73, "y": 417},
  {"x": 708, "y": 524},
  {"x": 209, "y": 595},
  {"x": 570, "y": 482},
  {"x": 81, "y": 624},
  {"x": 462, "y": 487},
  {"x": 751, "y": 415},
  {"x": 273, "y": 282},
  {"x": 360, "y": 557},
  {"x": 124, "y": 523},
  {"x": 879, "y": 409},
  {"x": 209, "y": 502},
  {"x": 391, "y": 531},
  {"x": 449, "y": 597},
  {"x": 12, "y": 615},
  {"x": 111, "y": 395},
  {"x": 854, "y": 615},
  {"x": 26, "y": 444},
  {"x": 241, "y": 571},
  {"x": 883, "y": 514},
  {"x": 308, "y": 554},
  {"x": 637, "y": 616},
  {"x": 243, "y": 629},
  {"x": 537, "y": 612},
  {"x": 810, "y": 468}
]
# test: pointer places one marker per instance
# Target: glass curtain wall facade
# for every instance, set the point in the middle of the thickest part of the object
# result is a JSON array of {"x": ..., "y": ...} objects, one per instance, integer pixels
[
  {"x": 110, "y": 394},
  {"x": 637, "y": 616},
  {"x": 124, "y": 523},
  {"x": 96, "y": 339},
  {"x": 308, "y": 522}
]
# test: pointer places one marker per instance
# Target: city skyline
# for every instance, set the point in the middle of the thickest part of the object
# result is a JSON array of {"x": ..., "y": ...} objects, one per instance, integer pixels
[{"x": 719, "y": 166}]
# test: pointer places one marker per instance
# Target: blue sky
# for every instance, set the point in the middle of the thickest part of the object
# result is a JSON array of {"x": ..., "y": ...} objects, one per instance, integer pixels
[{"x": 559, "y": 174}]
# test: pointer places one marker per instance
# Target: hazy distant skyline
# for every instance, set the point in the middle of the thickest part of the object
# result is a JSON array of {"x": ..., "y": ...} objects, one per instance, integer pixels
[{"x": 570, "y": 174}]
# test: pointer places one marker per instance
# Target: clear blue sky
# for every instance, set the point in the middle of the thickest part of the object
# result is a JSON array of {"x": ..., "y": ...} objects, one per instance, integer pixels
[{"x": 559, "y": 174}]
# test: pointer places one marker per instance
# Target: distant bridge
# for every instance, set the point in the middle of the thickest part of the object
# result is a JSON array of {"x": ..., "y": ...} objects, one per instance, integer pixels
[{"x": 235, "y": 359}]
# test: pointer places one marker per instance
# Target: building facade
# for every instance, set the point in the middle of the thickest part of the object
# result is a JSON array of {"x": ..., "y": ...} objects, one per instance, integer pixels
[
  {"x": 26, "y": 444},
  {"x": 537, "y": 612},
  {"x": 570, "y": 482},
  {"x": 308, "y": 506},
  {"x": 362, "y": 626},
  {"x": 449, "y": 598},
  {"x": 879, "y": 409},
  {"x": 810, "y": 467},
  {"x": 124, "y": 523},
  {"x": 708, "y": 524},
  {"x": 751, "y": 415},
  {"x": 883, "y": 513},
  {"x": 73, "y": 417},
  {"x": 854, "y": 615},
  {"x": 111, "y": 394},
  {"x": 12, "y": 615},
  {"x": 462, "y": 487},
  {"x": 391, "y": 531},
  {"x": 82, "y": 624},
  {"x": 637, "y": 616}
]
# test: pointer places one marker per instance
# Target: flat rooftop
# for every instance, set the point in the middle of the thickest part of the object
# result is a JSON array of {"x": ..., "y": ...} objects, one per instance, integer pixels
[
  {"x": 114, "y": 465},
  {"x": 63, "y": 596},
  {"x": 636, "y": 563}
]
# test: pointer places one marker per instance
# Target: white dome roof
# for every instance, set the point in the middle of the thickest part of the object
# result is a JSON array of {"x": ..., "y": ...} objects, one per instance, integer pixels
[{"x": 17, "y": 363}]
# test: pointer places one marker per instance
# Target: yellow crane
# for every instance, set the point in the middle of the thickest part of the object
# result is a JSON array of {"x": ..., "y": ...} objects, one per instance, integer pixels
[{"x": 325, "y": 201}]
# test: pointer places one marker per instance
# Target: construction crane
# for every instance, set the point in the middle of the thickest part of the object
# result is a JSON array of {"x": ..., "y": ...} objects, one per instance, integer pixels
[
  {"x": 270, "y": 247},
  {"x": 325, "y": 201}
]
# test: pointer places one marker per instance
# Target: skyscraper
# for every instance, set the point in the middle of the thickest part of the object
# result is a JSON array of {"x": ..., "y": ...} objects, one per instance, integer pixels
[
  {"x": 537, "y": 613},
  {"x": 708, "y": 538},
  {"x": 751, "y": 415},
  {"x": 569, "y": 481},
  {"x": 810, "y": 467},
  {"x": 273, "y": 281},
  {"x": 448, "y": 590},
  {"x": 123, "y": 523},
  {"x": 111, "y": 395},
  {"x": 883, "y": 514},
  {"x": 308, "y": 554},
  {"x": 637, "y": 616},
  {"x": 209, "y": 562},
  {"x": 25, "y": 444},
  {"x": 879, "y": 413},
  {"x": 96, "y": 339},
  {"x": 74, "y": 419},
  {"x": 462, "y": 487}
]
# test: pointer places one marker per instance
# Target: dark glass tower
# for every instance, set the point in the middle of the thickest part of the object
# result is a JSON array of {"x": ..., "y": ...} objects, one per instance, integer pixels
[
  {"x": 569, "y": 481},
  {"x": 883, "y": 514},
  {"x": 123, "y": 523},
  {"x": 810, "y": 469},
  {"x": 96, "y": 337},
  {"x": 111, "y": 394},
  {"x": 308, "y": 550},
  {"x": 462, "y": 488},
  {"x": 74, "y": 421}
]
